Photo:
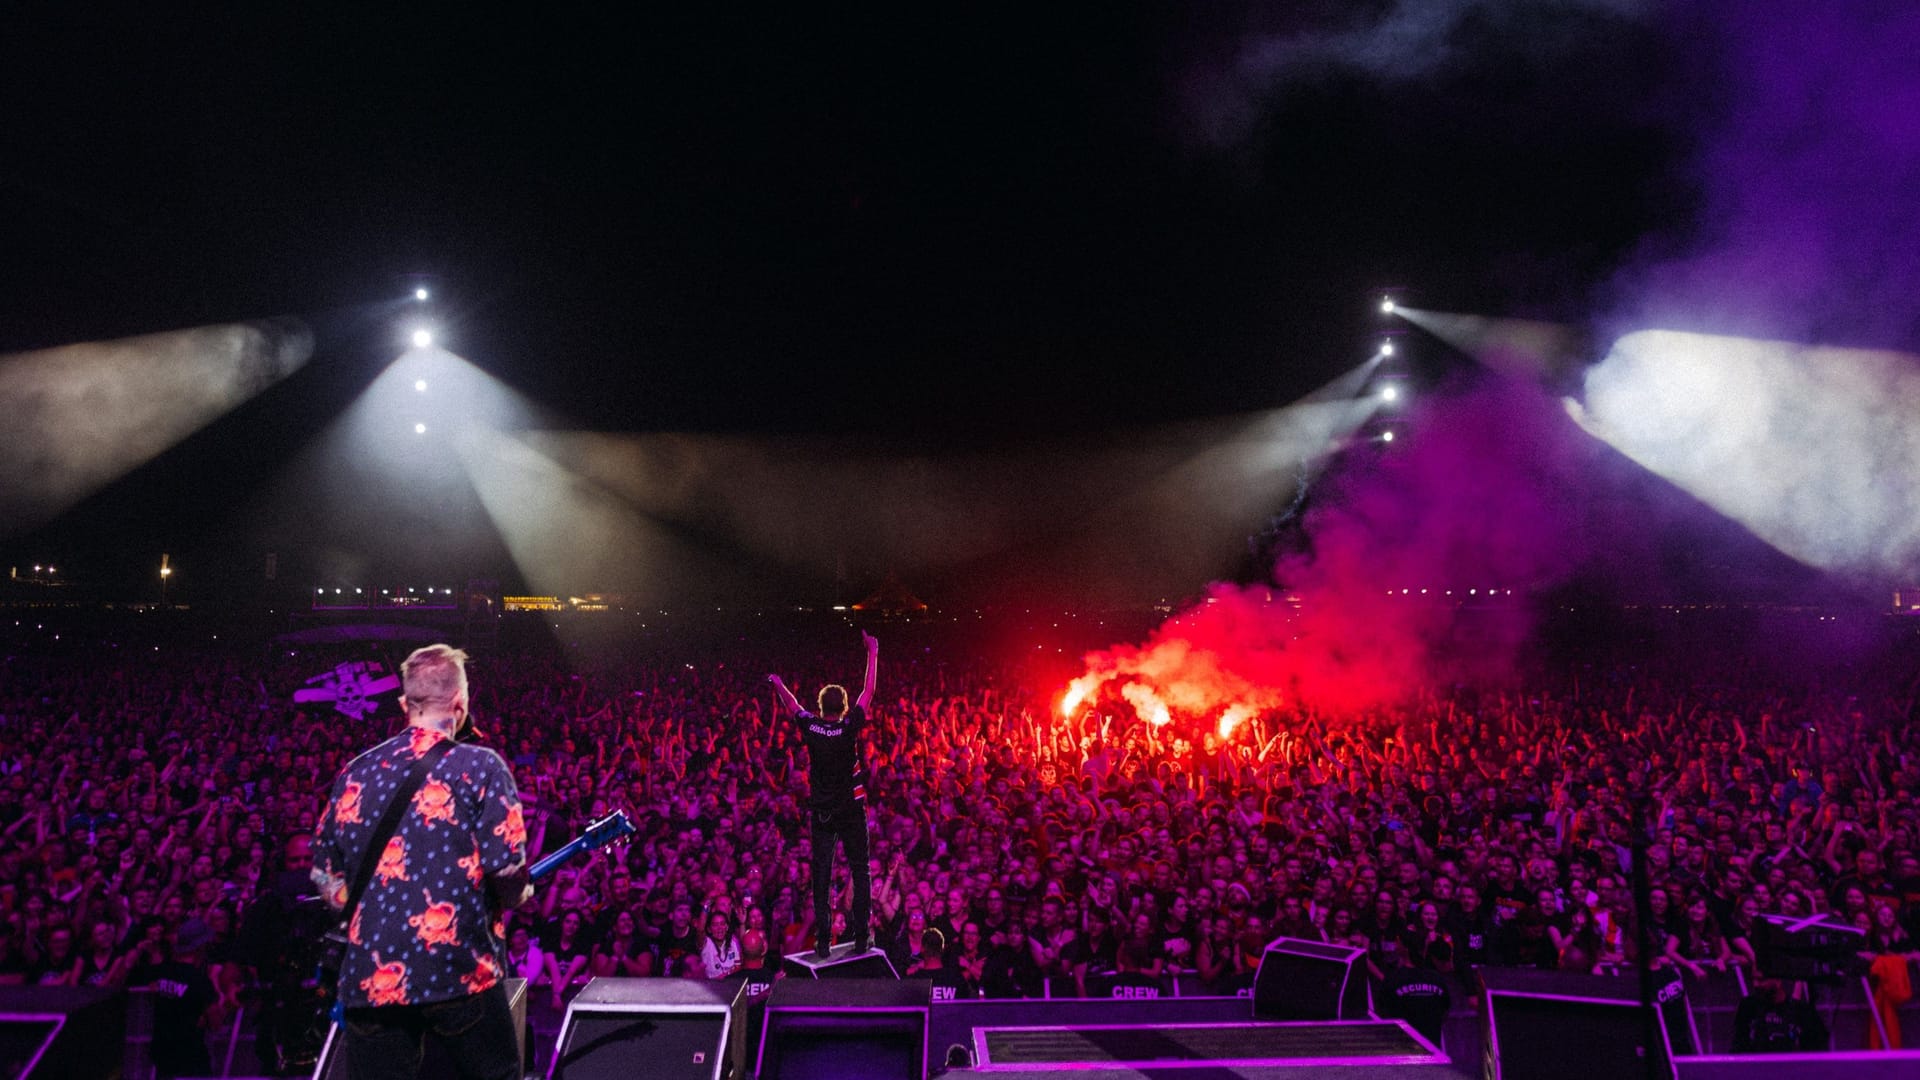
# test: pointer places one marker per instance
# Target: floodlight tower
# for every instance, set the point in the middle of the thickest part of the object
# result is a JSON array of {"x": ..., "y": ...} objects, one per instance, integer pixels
[{"x": 1389, "y": 387}]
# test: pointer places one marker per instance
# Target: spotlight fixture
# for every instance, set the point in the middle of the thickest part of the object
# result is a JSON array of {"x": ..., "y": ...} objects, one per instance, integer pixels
[
  {"x": 1386, "y": 348},
  {"x": 1386, "y": 436},
  {"x": 420, "y": 293},
  {"x": 1389, "y": 394},
  {"x": 422, "y": 339},
  {"x": 420, "y": 385},
  {"x": 1387, "y": 306},
  {"x": 419, "y": 429}
]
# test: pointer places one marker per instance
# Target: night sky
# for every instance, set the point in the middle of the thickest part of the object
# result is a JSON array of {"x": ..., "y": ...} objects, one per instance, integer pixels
[{"x": 962, "y": 231}]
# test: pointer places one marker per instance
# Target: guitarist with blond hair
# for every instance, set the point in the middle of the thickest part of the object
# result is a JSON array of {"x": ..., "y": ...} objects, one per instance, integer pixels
[{"x": 422, "y": 844}]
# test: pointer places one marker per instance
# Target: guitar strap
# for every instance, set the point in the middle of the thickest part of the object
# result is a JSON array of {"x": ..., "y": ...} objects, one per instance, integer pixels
[{"x": 390, "y": 821}]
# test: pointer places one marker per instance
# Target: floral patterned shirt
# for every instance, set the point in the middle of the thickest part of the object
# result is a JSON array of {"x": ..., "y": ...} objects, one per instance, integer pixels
[{"x": 426, "y": 929}]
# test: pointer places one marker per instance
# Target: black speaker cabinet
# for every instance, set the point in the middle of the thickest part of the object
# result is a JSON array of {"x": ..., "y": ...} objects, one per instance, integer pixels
[
  {"x": 835, "y": 1029},
  {"x": 61, "y": 1031},
  {"x": 1572, "y": 1027},
  {"x": 1310, "y": 980},
  {"x": 332, "y": 1063},
  {"x": 686, "y": 1029}
]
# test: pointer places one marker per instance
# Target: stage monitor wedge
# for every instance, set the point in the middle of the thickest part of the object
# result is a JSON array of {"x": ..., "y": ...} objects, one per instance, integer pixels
[
  {"x": 846, "y": 1029},
  {"x": 1574, "y": 1027},
  {"x": 60, "y": 1031},
  {"x": 675, "y": 1029},
  {"x": 1310, "y": 980}
]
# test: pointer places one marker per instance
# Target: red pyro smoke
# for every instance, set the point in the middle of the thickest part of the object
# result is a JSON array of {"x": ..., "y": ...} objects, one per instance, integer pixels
[{"x": 1422, "y": 561}]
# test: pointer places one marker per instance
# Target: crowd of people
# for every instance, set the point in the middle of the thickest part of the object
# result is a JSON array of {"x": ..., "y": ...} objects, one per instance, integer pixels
[{"x": 156, "y": 800}]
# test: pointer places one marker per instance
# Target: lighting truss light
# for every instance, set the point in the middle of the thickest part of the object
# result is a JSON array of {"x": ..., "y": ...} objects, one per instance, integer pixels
[
  {"x": 420, "y": 385},
  {"x": 1386, "y": 348},
  {"x": 419, "y": 429},
  {"x": 420, "y": 294},
  {"x": 422, "y": 339},
  {"x": 1386, "y": 436},
  {"x": 1389, "y": 394},
  {"x": 1387, "y": 306}
]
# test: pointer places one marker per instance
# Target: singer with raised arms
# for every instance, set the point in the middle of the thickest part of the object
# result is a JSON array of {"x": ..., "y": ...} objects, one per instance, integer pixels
[{"x": 838, "y": 773}]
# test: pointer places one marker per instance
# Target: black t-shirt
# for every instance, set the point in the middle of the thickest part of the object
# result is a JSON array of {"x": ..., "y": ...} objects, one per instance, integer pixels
[
  {"x": 1472, "y": 936},
  {"x": 1011, "y": 973},
  {"x": 1506, "y": 904},
  {"x": 182, "y": 995},
  {"x": 584, "y": 939},
  {"x": 1420, "y": 997},
  {"x": 677, "y": 947},
  {"x": 946, "y": 981},
  {"x": 837, "y": 771},
  {"x": 94, "y": 973}
]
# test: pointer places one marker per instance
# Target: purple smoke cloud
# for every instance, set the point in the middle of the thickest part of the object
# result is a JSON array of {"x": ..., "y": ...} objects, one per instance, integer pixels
[{"x": 1806, "y": 124}]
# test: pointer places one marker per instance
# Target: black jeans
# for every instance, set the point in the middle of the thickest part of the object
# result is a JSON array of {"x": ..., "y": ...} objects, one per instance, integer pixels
[
  {"x": 477, "y": 1032},
  {"x": 849, "y": 823}
]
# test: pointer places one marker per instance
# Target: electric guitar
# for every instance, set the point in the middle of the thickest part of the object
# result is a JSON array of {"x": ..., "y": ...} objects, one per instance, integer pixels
[{"x": 610, "y": 829}]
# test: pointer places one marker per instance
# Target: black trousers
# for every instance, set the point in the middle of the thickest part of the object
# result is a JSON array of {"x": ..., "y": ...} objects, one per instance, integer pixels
[
  {"x": 477, "y": 1031},
  {"x": 848, "y": 824}
]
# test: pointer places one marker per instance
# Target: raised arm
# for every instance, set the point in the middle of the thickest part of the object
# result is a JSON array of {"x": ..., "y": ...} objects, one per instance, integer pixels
[
  {"x": 785, "y": 695},
  {"x": 873, "y": 663}
]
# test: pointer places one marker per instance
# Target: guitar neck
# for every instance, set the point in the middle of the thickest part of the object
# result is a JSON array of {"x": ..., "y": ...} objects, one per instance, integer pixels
[{"x": 555, "y": 860}]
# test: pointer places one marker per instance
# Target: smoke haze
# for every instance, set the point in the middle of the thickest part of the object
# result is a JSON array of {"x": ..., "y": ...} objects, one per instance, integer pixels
[{"x": 80, "y": 416}]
